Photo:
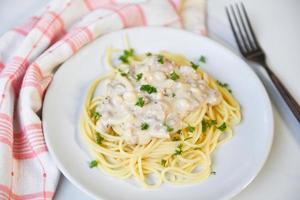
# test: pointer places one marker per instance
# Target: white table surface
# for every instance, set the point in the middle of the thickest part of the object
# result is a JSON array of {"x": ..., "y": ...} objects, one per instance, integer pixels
[{"x": 277, "y": 25}]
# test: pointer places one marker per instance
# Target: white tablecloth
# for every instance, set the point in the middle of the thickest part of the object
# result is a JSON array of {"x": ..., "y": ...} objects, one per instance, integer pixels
[{"x": 278, "y": 30}]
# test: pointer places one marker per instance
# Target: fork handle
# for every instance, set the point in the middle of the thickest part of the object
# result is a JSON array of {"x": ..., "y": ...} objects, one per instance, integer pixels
[{"x": 288, "y": 98}]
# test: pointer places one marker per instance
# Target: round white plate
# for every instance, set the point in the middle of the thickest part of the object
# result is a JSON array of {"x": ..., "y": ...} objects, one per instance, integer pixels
[{"x": 236, "y": 162}]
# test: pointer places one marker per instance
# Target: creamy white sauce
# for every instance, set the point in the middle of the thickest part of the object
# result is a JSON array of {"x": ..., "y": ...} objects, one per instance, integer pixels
[{"x": 167, "y": 107}]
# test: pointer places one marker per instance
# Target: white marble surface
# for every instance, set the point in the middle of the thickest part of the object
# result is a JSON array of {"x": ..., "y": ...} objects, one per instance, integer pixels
[{"x": 276, "y": 24}]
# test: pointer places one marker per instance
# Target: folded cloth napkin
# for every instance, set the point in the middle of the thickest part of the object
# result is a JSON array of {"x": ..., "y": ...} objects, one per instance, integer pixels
[{"x": 29, "y": 56}]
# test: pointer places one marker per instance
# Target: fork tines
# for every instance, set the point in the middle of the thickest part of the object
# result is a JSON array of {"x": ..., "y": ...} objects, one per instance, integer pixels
[{"x": 242, "y": 28}]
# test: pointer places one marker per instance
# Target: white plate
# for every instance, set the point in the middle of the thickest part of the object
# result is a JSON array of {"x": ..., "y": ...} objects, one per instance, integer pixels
[{"x": 236, "y": 162}]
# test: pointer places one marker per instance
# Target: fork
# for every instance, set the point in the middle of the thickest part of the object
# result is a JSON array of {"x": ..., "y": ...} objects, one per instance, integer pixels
[{"x": 251, "y": 50}]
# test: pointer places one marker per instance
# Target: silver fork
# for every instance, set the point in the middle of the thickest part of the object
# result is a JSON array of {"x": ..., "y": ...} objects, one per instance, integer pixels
[{"x": 251, "y": 50}]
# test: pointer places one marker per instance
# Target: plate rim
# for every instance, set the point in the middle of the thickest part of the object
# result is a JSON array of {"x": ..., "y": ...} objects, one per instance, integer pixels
[{"x": 269, "y": 110}]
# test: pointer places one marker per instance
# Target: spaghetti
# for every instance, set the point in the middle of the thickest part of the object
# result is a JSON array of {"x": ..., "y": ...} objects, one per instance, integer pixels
[{"x": 180, "y": 154}]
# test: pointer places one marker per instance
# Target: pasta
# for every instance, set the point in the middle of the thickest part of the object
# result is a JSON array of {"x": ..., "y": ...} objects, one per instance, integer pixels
[{"x": 183, "y": 156}]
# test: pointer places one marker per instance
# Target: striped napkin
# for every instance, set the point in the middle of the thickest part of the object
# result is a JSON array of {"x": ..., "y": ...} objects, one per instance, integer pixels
[{"x": 29, "y": 55}]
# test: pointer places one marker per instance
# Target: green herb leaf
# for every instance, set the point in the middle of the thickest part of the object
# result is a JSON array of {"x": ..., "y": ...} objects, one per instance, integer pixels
[
  {"x": 144, "y": 126},
  {"x": 169, "y": 128},
  {"x": 139, "y": 76},
  {"x": 174, "y": 76},
  {"x": 122, "y": 73},
  {"x": 207, "y": 124},
  {"x": 126, "y": 54},
  {"x": 140, "y": 102},
  {"x": 173, "y": 94},
  {"x": 224, "y": 85},
  {"x": 194, "y": 66},
  {"x": 190, "y": 128},
  {"x": 149, "y": 54},
  {"x": 222, "y": 127},
  {"x": 178, "y": 150},
  {"x": 99, "y": 138},
  {"x": 213, "y": 122},
  {"x": 160, "y": 59},
  {"x": 179, "y": 131},
  {"x": 95, "y": 115},
  {"x": 202, "y": 59},
  {"x": 93, "y": 163},
  {"x": 163, "y": 163},
  {"x": 148, "y": 88},
  {"x": 204, "y": 125}
]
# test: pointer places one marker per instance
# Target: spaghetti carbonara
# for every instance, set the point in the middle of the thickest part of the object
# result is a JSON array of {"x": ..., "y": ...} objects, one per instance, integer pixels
[{"x": 158, "y": 119}]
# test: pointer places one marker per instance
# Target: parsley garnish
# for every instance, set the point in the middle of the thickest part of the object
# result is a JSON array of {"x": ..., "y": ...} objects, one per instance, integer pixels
[
  {"x": 204, "y": 125},
  {"x": 95, "y": 115},
  {"x": 144, "y": 126},
  {"x": 174, "y": 76},
  {"x": 126, "y": 54},
  {"x": 179, "y": 131},
  {"x": 140, "y": 102},
  {"x": 169, "y": 128},
  {"x": 139, "y": 76},
  {"x": 202, "y": 59},
  {"x": 222, "y": 127},
  {"x": 163, "y": 162},
  {"x": 149, "y": 54},
  {"x": 173, "y": 94},
  {"x": 207, "y": 124},
  {"x": 99, "y": 138},
  {"x": 122, "y": 73},
  {"x": 148, "y": 88},
  {"x": 160, "y": 59},
  {"x": 93, "y": 163},
  {"x": 178, "y": 150},
  {"x": 213, "y": 122},
  {"x": 190, "y": 128},
  {"x": 224, "y": 85},
  {"x": 194, "y": 66}
]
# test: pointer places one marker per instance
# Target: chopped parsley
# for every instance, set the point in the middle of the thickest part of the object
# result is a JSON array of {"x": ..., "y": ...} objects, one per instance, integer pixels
[
  {"x": 224, "y": 85},
  {"x": 99, "y": 138},
  {"x": 93, "y": 163},
  {"x": 179, "y": 131},
  {"x": 122, "y": 73},
  {"x": 174, "y": 76},
  {"x": 173, "y": 94},
  {"x": 194, "y": 66},
  {"x": 169, "y": 128},
  {"x": 207, "y": 124},
  {"x": 178, "y": 150},
  {"x": 144, "y": 126},
  {"x": 148, "y": 88},
  {"x": 202, "y": 59},
  {"x": 95, "y": 115},
  {"x": 140, "y": 102},
  {"x": 163, "y": 162},
  {"x": 149, "y": 54},
  {"x": 213, "y": 122},
  {"x": 160, "y": 59},
  {"x": 190, "y": 128},
  {"x": 126, "y": 54},
  {"x": 139, "y": 76},
  {"x": 222, "y": 127}
]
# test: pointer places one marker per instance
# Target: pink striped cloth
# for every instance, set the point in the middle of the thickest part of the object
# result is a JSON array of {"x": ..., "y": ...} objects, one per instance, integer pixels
[{"x": 29, "y": 55}]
